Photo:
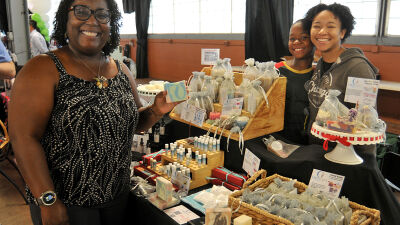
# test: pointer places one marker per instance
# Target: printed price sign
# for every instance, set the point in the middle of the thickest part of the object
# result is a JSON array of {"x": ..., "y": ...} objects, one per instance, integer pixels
[
  {"x": 328, "y": 183},
  {"x": 233, "y": 106},
  {"x": 193, "y": 114},
  {"x": 209, "y": 56},
  {"x": 185, "y": 112},
  {"x": 199, "y": 115},
  {"x": 251, "y": 163},
  {"x": 361, "y": 90}
]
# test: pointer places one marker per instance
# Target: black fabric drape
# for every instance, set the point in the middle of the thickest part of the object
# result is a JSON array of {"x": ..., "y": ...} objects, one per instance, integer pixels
[
  {"x": 142, "y": 10},
  {"x": 3, "y": 16},
  {"x": 129, "y": 6},
  {"x": 267, "y": 29}
]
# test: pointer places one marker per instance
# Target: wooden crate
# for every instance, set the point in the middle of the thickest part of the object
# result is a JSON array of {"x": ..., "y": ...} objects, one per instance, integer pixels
[
  {"x": 266, "y": 119},
  {"x": 199, "y": 172}
]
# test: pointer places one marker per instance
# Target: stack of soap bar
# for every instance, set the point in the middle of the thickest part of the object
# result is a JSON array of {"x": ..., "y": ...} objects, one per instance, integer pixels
[
  {"x": 176, "y": 91},
  {"x": 243, "y": 220},
  {"x": 164, "y": 189}
]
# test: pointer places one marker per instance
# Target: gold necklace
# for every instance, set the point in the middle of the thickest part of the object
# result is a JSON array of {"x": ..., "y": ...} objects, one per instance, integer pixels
[{"x": 101, "y": 81}]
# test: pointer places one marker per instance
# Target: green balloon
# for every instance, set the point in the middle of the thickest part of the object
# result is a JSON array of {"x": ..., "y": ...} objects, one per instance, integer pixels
[
  {"x": 47, "y": 38},
  {"x": 36, "y": 17},
  {"x": 40, "y": 24},
  {"x": 45, "y": 32}
]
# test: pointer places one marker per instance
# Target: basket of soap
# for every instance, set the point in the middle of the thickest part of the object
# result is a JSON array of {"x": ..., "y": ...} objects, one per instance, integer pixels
[{"x": 281, "y": 200}]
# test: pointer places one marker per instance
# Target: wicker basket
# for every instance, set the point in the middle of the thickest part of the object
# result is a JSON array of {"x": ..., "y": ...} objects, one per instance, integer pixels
[{"x": 263, "y": 217}]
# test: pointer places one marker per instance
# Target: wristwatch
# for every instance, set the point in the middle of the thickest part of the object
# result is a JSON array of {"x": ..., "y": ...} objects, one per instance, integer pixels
[{"x": 47, "y": 198}]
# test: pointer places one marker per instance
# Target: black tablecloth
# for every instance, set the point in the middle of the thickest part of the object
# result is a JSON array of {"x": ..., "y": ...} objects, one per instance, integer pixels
[{"x": 363, "y": 183}]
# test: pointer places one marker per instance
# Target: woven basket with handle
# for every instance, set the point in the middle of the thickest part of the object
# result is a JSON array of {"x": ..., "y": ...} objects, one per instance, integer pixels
[{"x": 265, "y": 218}]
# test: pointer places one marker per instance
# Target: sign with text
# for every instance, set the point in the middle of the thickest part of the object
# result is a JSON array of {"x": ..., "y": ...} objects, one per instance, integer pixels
[
  {"x": 209, "y": 56},
  {"x": 232, "y": 106},
  {"x": 328, "y": 183},
  {"x": 362, "y": 91},
  {"x": 251, "y": 163},
  {"x": 192, "y": 114}
]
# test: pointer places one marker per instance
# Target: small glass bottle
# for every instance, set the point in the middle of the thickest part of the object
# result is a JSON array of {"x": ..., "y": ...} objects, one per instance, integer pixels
[{"x": 162, "y": 127}]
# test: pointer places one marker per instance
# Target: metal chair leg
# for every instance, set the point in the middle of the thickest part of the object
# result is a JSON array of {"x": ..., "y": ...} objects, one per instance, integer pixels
[{"x": 15, "y": 185}]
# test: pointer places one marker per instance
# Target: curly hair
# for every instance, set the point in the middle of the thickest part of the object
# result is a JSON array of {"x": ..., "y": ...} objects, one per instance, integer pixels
[
  {"x": 342, "y": 12},
  {"x": 61, "y": 19}
]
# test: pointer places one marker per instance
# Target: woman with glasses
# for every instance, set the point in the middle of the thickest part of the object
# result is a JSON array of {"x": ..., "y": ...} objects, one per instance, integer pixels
[
  {"x": 329, "y": 27},
  {"x": 72, "y": 118},
  {"x": 298, "y": 71}
]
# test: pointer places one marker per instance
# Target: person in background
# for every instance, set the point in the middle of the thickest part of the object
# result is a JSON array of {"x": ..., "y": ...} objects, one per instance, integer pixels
[
  {"x": 7, "y": 67},
  {"x": 72, "y": 116},
  {"x": 38, "y": 43},
  {"x": 330, "y": 26},
  {"x": 298, "y": 71}
]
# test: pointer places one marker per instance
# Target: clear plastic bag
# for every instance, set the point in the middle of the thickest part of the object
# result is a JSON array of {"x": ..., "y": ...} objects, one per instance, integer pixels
[
  {"x": 278, "y": 147},
  {"x": 367, "y": 119},
  {"x": 206, "y": 102},
  {"x": 194, "y": 100},
  {"x": 227, "y": 65},
  {"x": 195, "y": 83},
  {"x": 268, "y": 73},
  {"x": 331, "y": 109},
  {"x": 253, "y": 97},
  {"x": 250, "y": 72},
  {"x": 209, "y": 87},
  {"x": 218, "y": 69},
  {"x": 227, "y": 88}
]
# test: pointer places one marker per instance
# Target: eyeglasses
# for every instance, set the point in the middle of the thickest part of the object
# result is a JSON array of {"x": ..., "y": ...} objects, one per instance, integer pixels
[
  {"x": 83, "y": 13},
  {"x": 301, "y": 39}
]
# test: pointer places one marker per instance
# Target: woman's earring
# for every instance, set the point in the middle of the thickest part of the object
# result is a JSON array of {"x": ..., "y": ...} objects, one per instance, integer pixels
[{"x": 66, "y": 37}]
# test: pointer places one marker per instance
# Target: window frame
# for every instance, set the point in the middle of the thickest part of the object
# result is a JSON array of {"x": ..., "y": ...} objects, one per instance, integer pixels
[{"x": 380, "y": 38}]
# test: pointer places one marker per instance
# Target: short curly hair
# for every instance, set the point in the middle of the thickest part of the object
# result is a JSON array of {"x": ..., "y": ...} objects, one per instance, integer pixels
[
  {"x": 61, "y": 19},
  {"x": 303, "y": 22},
  {"x": 342, "y": 12}
]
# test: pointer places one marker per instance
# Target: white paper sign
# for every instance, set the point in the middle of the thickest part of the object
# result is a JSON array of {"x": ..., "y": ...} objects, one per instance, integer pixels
[
  {"x": 251, "y": 163},
  {"x": 232, "y": 106},
  {"x": 361, "y": 90},
  {"x": 186, "y": 113},
  {"x": 328, "y": 183},
  {"x": 181, "y": 214},
  {"x": 192, "y": 114},
  {"x": 209, "y": 56},
  {"x": 199, "y": 115}
]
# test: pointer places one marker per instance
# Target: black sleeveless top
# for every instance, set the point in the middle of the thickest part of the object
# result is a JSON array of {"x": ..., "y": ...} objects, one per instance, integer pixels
[{"x": 88, "y": 138}]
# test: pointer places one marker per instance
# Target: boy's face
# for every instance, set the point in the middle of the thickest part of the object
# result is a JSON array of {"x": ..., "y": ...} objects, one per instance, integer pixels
[{"x": 300, "y": 45}]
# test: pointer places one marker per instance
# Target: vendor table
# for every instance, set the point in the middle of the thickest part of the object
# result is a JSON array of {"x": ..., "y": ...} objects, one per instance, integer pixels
[{"x": 363, "y": 183}]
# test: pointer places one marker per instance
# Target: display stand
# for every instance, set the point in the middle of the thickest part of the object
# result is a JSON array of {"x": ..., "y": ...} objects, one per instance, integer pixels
[
  {"x": 344, "y": 152},
  {"x": 149, "y": 95},
  {"x": 267, "y": 119},
  {"x": 199, "y": 172}
]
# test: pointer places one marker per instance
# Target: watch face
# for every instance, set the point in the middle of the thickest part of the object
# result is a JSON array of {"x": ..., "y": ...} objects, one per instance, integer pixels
[{"x": 49, "y": 198}]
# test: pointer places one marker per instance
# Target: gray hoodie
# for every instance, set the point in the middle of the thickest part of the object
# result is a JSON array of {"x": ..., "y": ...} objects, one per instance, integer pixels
[{"x": 351, "y": 63}]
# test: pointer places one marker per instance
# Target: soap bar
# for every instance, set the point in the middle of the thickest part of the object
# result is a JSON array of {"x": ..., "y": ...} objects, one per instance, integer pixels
[
  {"x": 176, "y": 91},
  {"x": 243, "y": 220},
  {"x": 164, "y": 189}
]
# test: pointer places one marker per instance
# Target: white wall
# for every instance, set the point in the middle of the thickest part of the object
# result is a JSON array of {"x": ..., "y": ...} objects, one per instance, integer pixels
[{"x": 46, "y": 9}]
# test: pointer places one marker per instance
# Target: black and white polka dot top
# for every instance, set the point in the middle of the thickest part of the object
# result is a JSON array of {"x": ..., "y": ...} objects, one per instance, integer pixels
[{"x": 88, "y": 138}]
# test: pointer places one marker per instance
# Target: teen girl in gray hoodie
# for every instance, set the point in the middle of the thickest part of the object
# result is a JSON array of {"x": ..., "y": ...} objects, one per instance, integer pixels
[{"x": 329, "y": 26}]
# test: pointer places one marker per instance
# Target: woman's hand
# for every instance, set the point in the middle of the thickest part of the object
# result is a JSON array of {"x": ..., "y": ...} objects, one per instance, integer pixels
[
  {"x": 55, "y": 214},
  {"x": 161, "y": 106}
]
